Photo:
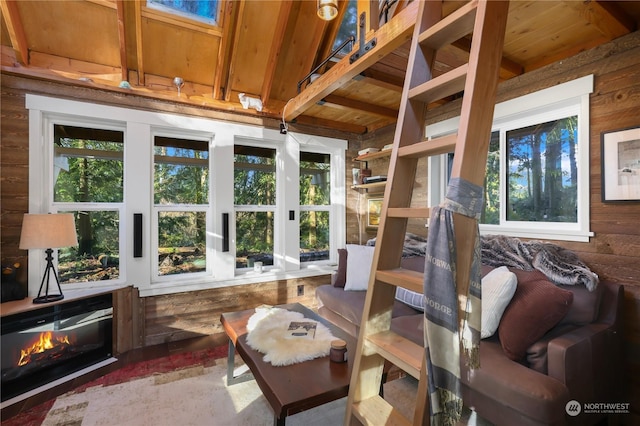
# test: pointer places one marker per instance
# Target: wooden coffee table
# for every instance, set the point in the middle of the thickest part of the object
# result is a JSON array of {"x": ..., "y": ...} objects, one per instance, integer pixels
[{"x": 293, "y": 388}]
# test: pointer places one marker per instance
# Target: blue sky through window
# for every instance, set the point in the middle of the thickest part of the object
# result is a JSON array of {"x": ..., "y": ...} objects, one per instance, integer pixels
[{"x": 206, "y": 10}]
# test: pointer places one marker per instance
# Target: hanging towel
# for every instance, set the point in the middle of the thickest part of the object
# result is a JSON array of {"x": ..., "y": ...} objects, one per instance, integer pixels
[{"x": 444, "y": 333}]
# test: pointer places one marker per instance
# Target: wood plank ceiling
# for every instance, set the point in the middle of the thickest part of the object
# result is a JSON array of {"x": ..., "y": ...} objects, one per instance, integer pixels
[{"x": 264, "y": 48}]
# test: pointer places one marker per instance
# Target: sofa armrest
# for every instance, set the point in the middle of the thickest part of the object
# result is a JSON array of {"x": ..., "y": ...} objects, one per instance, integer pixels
[{"x": 587, "y": 361}]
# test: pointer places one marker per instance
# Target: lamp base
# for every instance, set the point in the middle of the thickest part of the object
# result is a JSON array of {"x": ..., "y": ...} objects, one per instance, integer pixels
[
  {"x": 48, "y": 298},
  {"x": 49, "y": 269}
]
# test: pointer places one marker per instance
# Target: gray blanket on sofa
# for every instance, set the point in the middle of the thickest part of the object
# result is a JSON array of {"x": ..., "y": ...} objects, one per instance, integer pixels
[
  {"x": 414, "y": 245},
  {"x": 560, "y": 265}
]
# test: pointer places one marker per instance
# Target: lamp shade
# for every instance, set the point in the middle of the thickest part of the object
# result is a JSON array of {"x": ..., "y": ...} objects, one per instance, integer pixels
[
  {"x": 43, "y": 231},
  {"x": 327, "y": 9}
]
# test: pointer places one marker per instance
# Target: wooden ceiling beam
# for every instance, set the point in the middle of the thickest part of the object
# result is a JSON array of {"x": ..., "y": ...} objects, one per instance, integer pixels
[
  {"x": 122, "y": 39},
  {"x": 16, "y": 30},
  {"x": 228, "y": 20},
  {"x": 611, "y": 21},
  {"x": 389, "y": 37},
  {"x": 353, "y": 104},
  {"x": 139, "y": 51},
  {"x": 330, "y": 124},
  {"x": 279, "y": 32},
  {"x": 234, "y": 49},
  {"x": 381, "y": 80}
]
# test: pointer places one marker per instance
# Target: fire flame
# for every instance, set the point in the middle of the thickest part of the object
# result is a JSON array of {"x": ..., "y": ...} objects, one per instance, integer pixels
[{"x": 45, "y": 342}]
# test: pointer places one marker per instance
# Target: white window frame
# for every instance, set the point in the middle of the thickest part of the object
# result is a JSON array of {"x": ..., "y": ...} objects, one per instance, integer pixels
[
  {"x": 337, "y": 209},
  {"x": 320, "y": 208},
  {"x": 42, "y": 181},
  {"x": 186, "y": 208},
  {"x": 563, "y": 100},
  {"x": 139, "y": 127},
  {"x": 276, "y": 209}
]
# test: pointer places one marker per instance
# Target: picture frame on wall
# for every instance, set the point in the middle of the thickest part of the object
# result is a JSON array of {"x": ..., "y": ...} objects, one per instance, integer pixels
[
  {"x": 374, "y": 210},
  {"x": 620, "y": 151}
]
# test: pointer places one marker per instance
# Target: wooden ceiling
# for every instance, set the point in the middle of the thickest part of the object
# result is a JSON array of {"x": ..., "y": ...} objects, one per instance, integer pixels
[{"x": 264, "y": 48}]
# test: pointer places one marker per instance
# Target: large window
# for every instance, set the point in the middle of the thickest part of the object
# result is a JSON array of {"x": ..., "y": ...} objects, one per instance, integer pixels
[
  {"x": 542, "y": 179},
  {"x": 88, "y": 182},
  {"x": 254, "y": 182},
  {"x": 181, "y": 200},
  {"x": 172, "y": 203},
  {"x": 315, "y": 201},
  {"x": 537, "y": 176}
]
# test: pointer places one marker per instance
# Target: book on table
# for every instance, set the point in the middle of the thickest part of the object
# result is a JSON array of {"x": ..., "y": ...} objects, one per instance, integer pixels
[{"x": 301, "y": 330}]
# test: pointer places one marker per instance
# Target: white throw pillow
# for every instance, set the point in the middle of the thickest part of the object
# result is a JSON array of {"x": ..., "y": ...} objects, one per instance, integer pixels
[
  {"x": 498, "y": 288},
  {"x": 359, "y": 260}
]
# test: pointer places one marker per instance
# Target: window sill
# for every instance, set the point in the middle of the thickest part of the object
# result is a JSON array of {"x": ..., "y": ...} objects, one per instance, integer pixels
[{"x": 250, "y": 277}]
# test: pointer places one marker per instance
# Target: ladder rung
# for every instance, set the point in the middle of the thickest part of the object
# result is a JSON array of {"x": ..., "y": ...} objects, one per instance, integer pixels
[
  {"x": 442, "y": 86},
  {"x": 376, "y": 411},
  {"x": 407, "y": 212},
  {"x": 451, "y": 28},
  {"x": 436, "y": 146},
  {"x": 400, "y": 277},
  {"x": 398, "y": 350}
]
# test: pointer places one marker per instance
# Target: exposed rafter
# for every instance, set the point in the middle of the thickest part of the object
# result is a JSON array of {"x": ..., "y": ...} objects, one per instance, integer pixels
[
  {"x": 353, "y": 104},
  {"x": 276, "y": 46},
  {"x": 15, "y": 29},
  {"x": 139, "y": 53},
  {"x": 122, "y": 35},
  {"x": 329, "y": 124},
  {"x": 605, "y": 16}
]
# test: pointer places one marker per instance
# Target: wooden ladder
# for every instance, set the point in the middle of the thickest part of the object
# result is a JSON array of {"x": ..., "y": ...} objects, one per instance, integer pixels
[{"x": 478, "y": 79}]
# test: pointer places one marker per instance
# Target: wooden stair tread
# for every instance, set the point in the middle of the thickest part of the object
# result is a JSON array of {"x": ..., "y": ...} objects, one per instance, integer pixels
[
  {"x": 377, "y": 411},
  {"x": 440, "y": 87},
  {"x": 451, "y": 28},
  {"x": 436, "y": 146},
  {"x": 400, "y": 277},
  {"x": 398, "y": 350}
]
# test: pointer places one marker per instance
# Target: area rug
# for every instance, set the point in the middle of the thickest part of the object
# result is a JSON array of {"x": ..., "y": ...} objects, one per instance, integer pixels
[
  {"x": 190, "y": 389},
  {"x": 268, "y": 335},
  {"x": 194, "y": 395},
  {"x": 205, "y": 357}
]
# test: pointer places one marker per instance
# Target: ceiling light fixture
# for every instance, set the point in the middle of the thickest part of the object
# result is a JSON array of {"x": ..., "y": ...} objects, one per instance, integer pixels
[{"x": 327, "y": 9}]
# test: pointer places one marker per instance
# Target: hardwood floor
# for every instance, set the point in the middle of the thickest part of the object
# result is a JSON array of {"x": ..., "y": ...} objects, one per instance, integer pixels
[{"x": 136, "y": 355}]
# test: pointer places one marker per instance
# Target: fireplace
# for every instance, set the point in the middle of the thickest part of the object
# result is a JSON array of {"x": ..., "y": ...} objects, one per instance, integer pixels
[{"x": 45, "y": 344}]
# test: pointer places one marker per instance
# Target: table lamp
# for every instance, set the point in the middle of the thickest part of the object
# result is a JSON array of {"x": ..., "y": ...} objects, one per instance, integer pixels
[{"x": 48, "y": 231}]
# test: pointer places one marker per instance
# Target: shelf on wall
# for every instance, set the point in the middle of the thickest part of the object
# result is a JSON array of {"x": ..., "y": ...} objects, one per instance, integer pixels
[
  {"x": 373, "y": 155},
  {"x": 370, "y": 185}
]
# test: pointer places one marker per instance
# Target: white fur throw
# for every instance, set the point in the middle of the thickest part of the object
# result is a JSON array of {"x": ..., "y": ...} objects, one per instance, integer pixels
[{"x": 267, "y": 330}]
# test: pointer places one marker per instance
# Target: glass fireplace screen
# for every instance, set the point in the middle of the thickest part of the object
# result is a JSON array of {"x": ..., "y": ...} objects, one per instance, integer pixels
[{"x": 46, "y": 344}]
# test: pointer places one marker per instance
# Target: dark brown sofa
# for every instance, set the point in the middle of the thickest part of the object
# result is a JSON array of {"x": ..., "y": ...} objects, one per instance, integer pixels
[{"x": 578, "y": 359}]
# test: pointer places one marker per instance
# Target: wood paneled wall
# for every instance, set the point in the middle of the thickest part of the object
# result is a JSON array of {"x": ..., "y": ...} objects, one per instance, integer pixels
[
  {"x": 183, "y": 315},
  {"x": 614, "y": 252}
]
